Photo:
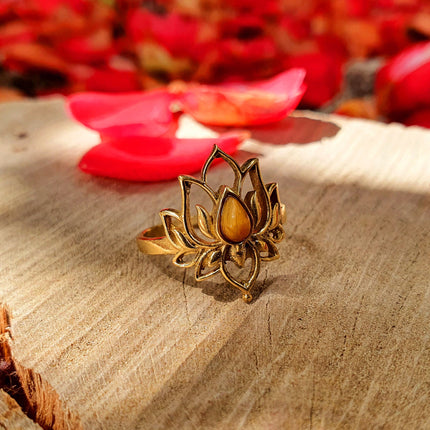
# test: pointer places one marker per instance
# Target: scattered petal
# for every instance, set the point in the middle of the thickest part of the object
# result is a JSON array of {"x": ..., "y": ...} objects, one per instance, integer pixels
[
  {"x": 420, "y": 118},
  {"x": 241, "y": 104},
  {"x": 323, "y": 76},
  {"x": 403, "y": 84},
  {"x": 178, "y": 34},
  {"x": 16, "y": 32},
  {"x": 110, "y": 80},
  {"x": 136, "y": 114},
  {"x": 91, "y": 48},
  {"x": 30, "y": 56},
  {"x": 145, "y": 158}
]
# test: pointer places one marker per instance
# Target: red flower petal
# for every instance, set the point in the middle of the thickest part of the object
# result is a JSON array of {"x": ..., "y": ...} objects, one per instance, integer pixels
[
  {"x": 323, "y": 76},
  {"x": 16, "y": 32},
  {"x": 176, "y": 33},
  {"x": 32, "y": 55},
  {"x": 403, "y": 84},
  {"x": 109, "y": 80},
  {"x": 234, "y": 51},
  {"x": 242, "y": 26},
  {"x": 420, "y": 118},
  {"x": 46, "y": 8},
  {"x": 154, "y": 159},
  {"x": 392, "y": 28},
  {"x": 125, "y": 114},
  {"x": 241, "y": 104},
  {"x": 92, "y": 48}
]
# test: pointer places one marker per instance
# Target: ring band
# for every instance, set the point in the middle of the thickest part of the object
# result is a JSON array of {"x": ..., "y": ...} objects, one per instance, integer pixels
[
  {"x": 237, "y": 230},
  {"x": 153, "y": 241}
]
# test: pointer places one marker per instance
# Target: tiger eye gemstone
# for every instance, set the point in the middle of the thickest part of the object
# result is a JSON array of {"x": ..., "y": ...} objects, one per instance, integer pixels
[{"x": 235, "y": 223}]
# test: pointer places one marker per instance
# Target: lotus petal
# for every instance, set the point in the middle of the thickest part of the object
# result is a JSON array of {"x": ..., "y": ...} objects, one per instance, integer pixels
[
  {"x": 186, "y": 258},
  {"x": 209, "y": 264},
  {"x": 191, "y": 227},
  {"x": 259, "y": 201},
  {"x": 243, "y": 283},
  {"x": 174, "y": 229},
  {"x": 216, "y": 154},
  {"x": 267, "y": 249}
]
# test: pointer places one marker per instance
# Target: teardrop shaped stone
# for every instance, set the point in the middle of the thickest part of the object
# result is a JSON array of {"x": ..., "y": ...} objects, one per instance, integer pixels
[{"x": 235, "y": 223}]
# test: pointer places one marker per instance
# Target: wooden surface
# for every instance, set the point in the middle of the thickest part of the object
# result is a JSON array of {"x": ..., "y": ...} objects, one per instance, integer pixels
[
  {"x": 11, "y": 415},
  {"x": 107, "y": 338}
]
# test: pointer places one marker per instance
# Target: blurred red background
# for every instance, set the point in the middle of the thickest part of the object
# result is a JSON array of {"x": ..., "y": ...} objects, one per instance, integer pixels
[{"x": 368, "y": 58}]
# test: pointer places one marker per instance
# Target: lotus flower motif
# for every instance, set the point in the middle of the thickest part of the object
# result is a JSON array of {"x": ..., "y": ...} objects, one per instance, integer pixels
[{"x": 237, "y": 232}]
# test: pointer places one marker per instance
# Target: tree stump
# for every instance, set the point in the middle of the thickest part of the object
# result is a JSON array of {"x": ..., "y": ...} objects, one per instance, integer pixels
[
  {"x": 99, "y": 336},
  {"x": 12, "y": 416}
]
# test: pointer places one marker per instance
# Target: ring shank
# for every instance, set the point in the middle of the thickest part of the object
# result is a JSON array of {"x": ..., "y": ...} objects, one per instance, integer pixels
[{"x": 153, "y": 241}]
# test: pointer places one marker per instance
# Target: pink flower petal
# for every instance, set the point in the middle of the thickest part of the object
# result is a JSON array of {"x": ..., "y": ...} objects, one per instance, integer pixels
[
  {"x": 125, "y": 114},
  {"x": 242, "y": 104},
  {"x": 154, "y": 158}
]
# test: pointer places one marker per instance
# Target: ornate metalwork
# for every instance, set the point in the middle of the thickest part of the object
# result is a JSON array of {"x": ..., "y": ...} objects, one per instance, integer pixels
[{"x": 237, "y": 228}]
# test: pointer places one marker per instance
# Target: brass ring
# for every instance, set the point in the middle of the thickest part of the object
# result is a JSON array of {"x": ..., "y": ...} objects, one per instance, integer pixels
[{"x": 234, "y": 231}]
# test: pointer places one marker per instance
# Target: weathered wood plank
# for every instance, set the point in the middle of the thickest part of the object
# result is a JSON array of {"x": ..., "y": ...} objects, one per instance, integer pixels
[{"x": 339, "y": 337}]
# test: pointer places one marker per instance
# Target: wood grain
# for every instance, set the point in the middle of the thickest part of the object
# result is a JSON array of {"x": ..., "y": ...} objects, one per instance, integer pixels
[
  {"x": 338, "y": 339},
  {"x": 12, "y": 417}
]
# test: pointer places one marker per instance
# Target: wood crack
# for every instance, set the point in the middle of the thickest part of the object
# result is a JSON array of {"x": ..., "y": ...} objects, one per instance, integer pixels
[
  {"x": 186, "y": 300},
  {"x": 36, "y": 397},
  {"x": 311, "y": 411},
  {"x": 345, "y": 337},
  {"x": 256, "y": 362},
  {"x": 269, "y": 324},
  {"x": 356, "y": 317}
]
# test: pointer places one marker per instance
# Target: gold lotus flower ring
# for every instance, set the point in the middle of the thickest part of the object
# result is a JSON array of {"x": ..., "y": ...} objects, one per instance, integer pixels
[{"x": 236, "y": 233}]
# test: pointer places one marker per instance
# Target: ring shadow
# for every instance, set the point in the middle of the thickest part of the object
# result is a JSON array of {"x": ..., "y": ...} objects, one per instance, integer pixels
[{"x": 219, "y": 289}]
